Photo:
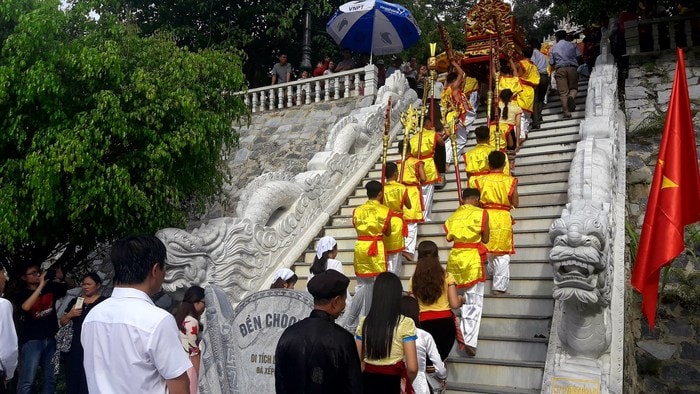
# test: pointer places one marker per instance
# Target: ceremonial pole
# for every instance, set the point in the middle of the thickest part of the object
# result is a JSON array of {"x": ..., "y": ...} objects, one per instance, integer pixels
[
  {"x": 387, "y": 126},
  {"x": 408, "y": 120}
]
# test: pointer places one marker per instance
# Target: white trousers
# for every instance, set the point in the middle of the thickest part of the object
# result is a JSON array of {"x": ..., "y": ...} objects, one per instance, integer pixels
[
  {"x": 463, "y": 129},
  {"x": 411, "y": 240},
  {"x": 499, "y": 269},
  {"x": 470, "y": 321},
  {"x": 525, "y": 122},
  {"x": 428, "y": 191},
  {"x": 394, "y": 263},
  {"x": 361, "y": 303}
]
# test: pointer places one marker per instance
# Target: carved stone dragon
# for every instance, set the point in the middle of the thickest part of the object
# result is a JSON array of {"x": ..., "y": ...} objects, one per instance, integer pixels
[
  {"x": 279, "y": 214},
  {"x": 586, "y": 244}
]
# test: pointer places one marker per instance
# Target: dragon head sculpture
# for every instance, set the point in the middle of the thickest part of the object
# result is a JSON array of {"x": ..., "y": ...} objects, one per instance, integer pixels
[{"x": 580, "y": 254}]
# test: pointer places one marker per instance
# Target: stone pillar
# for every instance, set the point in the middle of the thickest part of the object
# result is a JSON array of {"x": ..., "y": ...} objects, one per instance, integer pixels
[{"x": 370, "y": 80}]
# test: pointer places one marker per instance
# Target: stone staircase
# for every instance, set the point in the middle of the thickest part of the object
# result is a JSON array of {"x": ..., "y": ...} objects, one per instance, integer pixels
[{"x": 515, "y": 328}]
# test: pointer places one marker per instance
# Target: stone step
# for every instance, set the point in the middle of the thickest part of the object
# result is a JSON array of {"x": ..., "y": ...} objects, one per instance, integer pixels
[
  {"x": 527, "y": 311},
  {"x": 445, "y": 209},
  {"x": 507, "y": 348},
  {"x": 519, "y": 286},
  {"x": 523, "y": 252},
  {"x": 529, "y": 147},
  {"x": 469, "y": 388},
  {"x": 521, "y": 374},
  {"x": 347, "y": 242},
  {"x": 448, "y": 201},
  {"x": 524, "y": 270},
  {"x": 529, "y": 187}
]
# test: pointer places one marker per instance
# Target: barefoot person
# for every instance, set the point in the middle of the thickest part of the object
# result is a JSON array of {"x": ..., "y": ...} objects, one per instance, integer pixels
[
  {"x": 499, "y": 194},
  {"x": 468, "y": 228}
]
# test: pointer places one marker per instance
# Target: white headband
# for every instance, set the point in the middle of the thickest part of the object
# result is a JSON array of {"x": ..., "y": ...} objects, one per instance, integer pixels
[
  {"x": 325, "y": 244},
  {"x": 282, "y": 273}
]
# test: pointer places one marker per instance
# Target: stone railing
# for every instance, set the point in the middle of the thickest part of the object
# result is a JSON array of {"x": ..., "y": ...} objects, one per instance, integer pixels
[
  {"x": 654, "y": 35},
  {"x": 351, "y": 83},
  {"x": 585, "y": 352}
]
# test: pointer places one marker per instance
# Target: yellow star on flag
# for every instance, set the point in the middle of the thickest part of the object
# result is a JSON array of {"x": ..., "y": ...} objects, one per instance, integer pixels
[{"x": 665, "y": 182}]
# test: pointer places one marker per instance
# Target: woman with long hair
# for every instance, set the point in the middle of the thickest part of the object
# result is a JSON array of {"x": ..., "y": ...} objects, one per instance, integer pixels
[
  {"x": 436, "y": 292},
  {"x": 69, "y": 338},
  {"x": 284, "y": 278},
  {"x": 425, "y": 348},
  {"x": 386, "y": 340},
  {"x": 187, "y": 317}
]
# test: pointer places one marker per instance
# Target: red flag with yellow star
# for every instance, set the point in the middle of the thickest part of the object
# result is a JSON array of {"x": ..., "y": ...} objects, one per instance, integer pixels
[{"x": 674, "y": 197}]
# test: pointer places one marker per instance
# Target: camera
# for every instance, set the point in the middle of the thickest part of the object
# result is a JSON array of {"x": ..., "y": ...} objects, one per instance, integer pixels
[{"x": 50, "y": 275}]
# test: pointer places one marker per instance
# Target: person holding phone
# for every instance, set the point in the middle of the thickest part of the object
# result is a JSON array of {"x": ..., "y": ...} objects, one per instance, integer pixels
[
  {"x": 38, "y": 325},
  {"x": 72, "y": 353}
]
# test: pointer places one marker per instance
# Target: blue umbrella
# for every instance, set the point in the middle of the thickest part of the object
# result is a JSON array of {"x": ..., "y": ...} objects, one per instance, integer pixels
[{"x": 373, "y": 26}]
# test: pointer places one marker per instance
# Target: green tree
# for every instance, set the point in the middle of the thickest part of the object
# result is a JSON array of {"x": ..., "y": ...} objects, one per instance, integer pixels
[
  {"x": 104, "y": 133},
  {"x": 260, "y": 28}
]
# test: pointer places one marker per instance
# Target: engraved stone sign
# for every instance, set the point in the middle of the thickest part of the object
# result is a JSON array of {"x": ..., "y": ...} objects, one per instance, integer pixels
[{"x": 257, "y": 324}]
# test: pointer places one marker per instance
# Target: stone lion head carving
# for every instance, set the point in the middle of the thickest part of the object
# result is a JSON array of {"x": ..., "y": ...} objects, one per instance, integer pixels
[{"x": 580, "y": 253}]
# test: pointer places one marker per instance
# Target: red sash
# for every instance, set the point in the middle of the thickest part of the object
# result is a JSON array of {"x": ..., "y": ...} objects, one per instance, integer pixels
[
  {"x": 373, "y": 249},
  {"x": 395, "y": 369},
  {"x": 434, "y": 315},
  {"x": 499, "y": 207}
]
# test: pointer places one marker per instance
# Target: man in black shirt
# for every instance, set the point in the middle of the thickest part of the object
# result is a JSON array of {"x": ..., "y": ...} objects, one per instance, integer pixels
[
  {"x": 38, "y": 326},
  {"x": 316, "y": 355}
]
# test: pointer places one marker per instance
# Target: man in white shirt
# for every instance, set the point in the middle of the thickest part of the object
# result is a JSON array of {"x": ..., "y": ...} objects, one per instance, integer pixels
[
  {"x": 8, "y": 337},
  {"x": 131, "y": 345}
]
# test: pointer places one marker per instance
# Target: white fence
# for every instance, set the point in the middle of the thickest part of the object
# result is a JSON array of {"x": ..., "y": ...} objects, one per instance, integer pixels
[{"x": 351, "y": 83}]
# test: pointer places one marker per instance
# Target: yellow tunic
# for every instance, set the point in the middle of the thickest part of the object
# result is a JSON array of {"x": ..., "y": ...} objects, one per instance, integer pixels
[
  {"x": 529, "y": 81},
  {"x": 370, "y": 220},
  {"x": 467, "y": 256},
  {"x": 512, "y": 83},
  {"x": 405, "y": 331},
  {"x": 453, "y": 103},
  {"x": 470, "y": 85},
  {"x": 427, "y": 150},
  {"x": 477, "y": 159},
  {"x": 410, "y": 179},
  {"x": 496, "y": 190},
  {"x": 395, "y": 196},
  {"x": 505, "y": 128}
]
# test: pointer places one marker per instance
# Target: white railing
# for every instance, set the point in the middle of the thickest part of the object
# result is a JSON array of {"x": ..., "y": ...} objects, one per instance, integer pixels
[{"x": 351, "y": 83}]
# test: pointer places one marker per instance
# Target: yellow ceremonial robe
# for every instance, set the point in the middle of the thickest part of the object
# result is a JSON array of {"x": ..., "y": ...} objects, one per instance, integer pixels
[
  {"x": 410, "y": 180},
  {"x": 370, "y": 220},
  {"x": 470, "y": 85},
  {"x": 496, "y": 189},
  {"x": 395, "y": 196},
  {"x": 512, "y": 83},
  {"x": 529, "y": 81},
  {"x": 477, "y": 159},
  {"x": 468, "y": 254},
  {"x": 427, "y": 151}
]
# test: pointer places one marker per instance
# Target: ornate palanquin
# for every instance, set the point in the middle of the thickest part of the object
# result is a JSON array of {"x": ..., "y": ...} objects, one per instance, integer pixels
[
  {"x": 490, "y": 23},
  {"x": 489, "y": 26}
]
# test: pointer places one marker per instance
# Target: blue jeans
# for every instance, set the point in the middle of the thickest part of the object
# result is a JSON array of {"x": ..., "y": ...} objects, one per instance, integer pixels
[{"x": 33, "y": 353}]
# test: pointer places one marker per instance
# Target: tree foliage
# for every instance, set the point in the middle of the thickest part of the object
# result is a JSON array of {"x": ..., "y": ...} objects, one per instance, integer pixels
[
  {"x": 260, "y": 28},
  {"x": 103, "y": 132}
]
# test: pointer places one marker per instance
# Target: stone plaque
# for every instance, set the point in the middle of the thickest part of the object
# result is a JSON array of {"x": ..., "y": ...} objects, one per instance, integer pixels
[
  {"x": 575, "y": 386},
  {"x": 257, "y": 324}
]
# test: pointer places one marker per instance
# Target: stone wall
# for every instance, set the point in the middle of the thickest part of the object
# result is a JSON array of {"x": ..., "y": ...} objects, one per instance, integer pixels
[
  {"x": 278, "y": 140},
  {"x": 667, "y": 359}
]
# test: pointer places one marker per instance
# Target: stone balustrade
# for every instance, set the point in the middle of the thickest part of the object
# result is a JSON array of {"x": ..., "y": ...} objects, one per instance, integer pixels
[
  {"x": 654, "y": 35},
  {"x": 351, "y": 83}
]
